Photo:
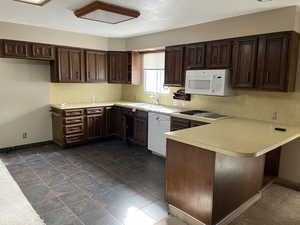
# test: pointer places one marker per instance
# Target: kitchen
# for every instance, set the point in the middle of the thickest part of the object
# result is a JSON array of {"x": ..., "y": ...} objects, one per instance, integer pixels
[{"x": 78, "y": 79}]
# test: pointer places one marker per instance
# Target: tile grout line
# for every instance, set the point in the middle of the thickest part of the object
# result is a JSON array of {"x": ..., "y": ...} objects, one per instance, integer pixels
[
  {"x": 65, "y": 205},
  {"x": 88, "y": 196},
  {"x": 109, "y": 172}
]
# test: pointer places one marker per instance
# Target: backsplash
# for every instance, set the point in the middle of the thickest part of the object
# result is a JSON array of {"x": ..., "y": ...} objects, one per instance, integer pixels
[
  {"x": 247, "y": 104},
  {"x": 83, "y": 93}
]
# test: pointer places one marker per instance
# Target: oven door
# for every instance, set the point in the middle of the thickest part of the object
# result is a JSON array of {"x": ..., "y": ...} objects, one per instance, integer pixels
[{"x": 199, "y": 83}]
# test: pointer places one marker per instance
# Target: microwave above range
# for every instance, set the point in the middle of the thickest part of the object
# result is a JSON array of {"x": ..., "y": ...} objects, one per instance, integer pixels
[{"x": 208, "y": 82}]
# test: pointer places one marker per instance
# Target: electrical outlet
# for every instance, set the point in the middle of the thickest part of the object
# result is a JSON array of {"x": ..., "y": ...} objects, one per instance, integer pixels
[
  {"x": 24, "y": 135},
  {"x": 274, "y": 115}
]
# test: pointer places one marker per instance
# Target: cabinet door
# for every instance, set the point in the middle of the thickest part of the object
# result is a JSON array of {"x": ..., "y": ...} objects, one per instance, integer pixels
[
  {"x": 41, "y": 51},
  {"x": 95, "y": 66},
  {"x": 119, "y": 69},
  {"x": 244, "y": 62},
  {"x": 272, "y": 62},
  {"x": 16, "y": 49},
  {"x": 114, "y": 70},
  {"x": 115, "y": 122},
  {"x": 218, "y": 54},
  {"x": 174, "y": 74},
  {"x": 76, "y": 65},
  {"x": 141, "y": 131},
  {"x": 194, "y": 56},
  {"x": 63, "y": 61},
  {"x": 95, "y": 126}
]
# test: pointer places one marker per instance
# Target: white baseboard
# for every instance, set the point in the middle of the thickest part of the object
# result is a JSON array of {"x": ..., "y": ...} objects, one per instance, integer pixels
[{"x": 184, "y": 216}]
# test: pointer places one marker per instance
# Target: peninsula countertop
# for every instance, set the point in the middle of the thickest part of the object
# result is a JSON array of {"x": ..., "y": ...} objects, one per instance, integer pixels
[{"x": 237, "y": 137}]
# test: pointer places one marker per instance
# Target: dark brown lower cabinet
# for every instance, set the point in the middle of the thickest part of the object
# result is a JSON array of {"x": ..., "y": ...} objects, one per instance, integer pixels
[
  {"x": 115, "y": 122},
  {"x": 95, "y": 126},
  {"x": 68, "y": 126},
  {"x": 141, "y": 130},
  {"x": 179, "y": 123}
]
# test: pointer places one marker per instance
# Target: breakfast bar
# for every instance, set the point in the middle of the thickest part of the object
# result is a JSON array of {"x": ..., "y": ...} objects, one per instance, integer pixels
[{"x": 214, "y": 172}]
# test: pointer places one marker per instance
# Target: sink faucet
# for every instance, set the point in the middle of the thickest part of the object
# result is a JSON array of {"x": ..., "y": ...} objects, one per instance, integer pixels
[{"x": 155, "y": 97}]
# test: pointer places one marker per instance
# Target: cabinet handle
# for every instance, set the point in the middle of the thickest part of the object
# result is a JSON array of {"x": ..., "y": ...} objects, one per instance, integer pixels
[
  {"x": 268, "y": 76},
  {"x": 248, "y": 75}
]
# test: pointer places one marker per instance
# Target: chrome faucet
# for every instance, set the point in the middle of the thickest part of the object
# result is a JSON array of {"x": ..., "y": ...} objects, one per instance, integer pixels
[{"x": 155, "y": 97}]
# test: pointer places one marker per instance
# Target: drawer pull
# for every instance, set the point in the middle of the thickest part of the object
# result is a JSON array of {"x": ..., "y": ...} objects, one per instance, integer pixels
[
  {"x": 73, "y": 129},
  {"x": 74, "y": 112},
  {"x": 74, "y": 120}
]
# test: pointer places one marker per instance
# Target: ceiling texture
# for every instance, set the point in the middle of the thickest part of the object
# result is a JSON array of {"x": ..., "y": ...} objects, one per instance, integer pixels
[{"x": 156, "y": 15}]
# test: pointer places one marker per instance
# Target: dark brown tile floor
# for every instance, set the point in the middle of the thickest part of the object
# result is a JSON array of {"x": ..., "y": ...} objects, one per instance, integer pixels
[{"x": 105, "y": 183}]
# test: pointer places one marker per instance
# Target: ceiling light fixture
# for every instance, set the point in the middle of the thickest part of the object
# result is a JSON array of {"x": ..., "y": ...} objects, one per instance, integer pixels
[
  {"x": 34, "y": 2},
  {"x": 106, "y": 13}
]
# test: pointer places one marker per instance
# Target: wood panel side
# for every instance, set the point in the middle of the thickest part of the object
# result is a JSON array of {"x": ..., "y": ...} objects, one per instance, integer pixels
[
  {"x": 189, "y": 179},
  {"x": 236, "y": 181}
]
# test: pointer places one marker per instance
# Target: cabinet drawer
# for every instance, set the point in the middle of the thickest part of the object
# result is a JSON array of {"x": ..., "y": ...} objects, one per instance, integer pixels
[
  {"x": 178, "y": 124},
  {"x": 141, "y": 114},
  {"x": 75, "y": 138},
  {"x": 94, "y": 111},
  {"x": 197, "y": 123},
  {"x": 74, "y": 112},
  {"x": 73, "y": 120},
  {"x": 76, "y": 128}
]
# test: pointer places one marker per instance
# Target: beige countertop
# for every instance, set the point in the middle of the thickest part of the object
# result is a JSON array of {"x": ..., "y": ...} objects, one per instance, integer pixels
[
  {"x": 133, "y": 105},
  {"x": 237, "y": 137},
  {"x": 233, "y": 136}
]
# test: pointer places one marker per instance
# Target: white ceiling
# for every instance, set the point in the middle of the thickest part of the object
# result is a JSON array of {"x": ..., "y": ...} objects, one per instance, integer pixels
[{"x": 156, "y": 15}]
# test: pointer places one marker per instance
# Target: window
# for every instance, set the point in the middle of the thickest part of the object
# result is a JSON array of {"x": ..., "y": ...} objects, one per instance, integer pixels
[{"x": 154, "y": 73}]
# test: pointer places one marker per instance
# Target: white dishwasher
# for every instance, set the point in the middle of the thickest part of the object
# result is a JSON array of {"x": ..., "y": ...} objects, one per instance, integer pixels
[{"x": 158, "y": 124}]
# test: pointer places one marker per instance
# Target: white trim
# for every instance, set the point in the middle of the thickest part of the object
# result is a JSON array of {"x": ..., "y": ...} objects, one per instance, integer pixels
[{"x": 184, "y": 216}]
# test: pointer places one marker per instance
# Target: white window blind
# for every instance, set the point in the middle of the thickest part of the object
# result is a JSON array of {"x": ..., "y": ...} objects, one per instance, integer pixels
[{"x": 154, "y": 72}]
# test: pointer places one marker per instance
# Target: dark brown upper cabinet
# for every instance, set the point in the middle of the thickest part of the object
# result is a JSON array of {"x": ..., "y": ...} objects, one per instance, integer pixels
[
  {"x": 15, "y": 49},
  {"x": 95, "y": 62},
  {"x": 273, "y": 62},
  {"x": 26, "y": 50},
  {"x": 244, "y": 56},
  {"x": 43, "y": 51},
  {"x": 174, "y": 66},
  {"x": 218, "y": 54},
  {"x": 194, "y": 56},
  {"x": 119, "y": 67},
  {"x": 68, "y": 66}
]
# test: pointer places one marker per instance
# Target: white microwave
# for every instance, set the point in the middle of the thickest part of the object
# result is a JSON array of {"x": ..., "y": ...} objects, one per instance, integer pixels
[{"x": 208, "y": 82}]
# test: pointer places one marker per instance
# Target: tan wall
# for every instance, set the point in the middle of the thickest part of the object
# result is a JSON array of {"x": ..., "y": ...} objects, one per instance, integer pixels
[
  {"x": 264, "y": 22},
  {"x": 82, "y": 93},
  {"x": 44, "y": 35},
  {"x": 24, "y": 96}
]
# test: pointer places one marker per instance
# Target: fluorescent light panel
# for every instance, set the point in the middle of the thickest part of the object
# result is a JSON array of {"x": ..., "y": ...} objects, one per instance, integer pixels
[
  {"x": 106, "y": 17},
  {"x": 34, "y": 2}
]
